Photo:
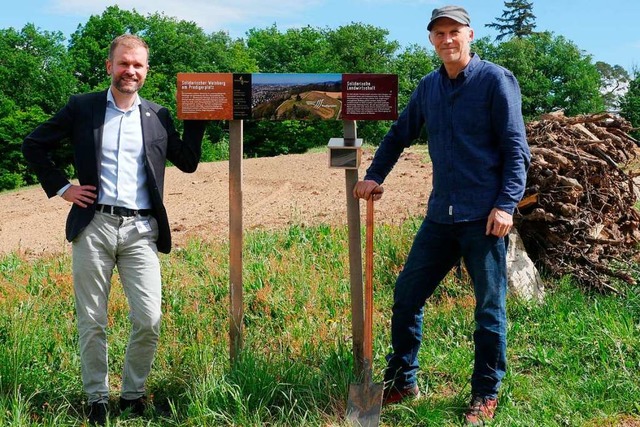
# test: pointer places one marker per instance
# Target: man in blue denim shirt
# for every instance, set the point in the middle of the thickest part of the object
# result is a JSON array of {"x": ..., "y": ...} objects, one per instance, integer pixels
[{"x": 477, "y": 143}]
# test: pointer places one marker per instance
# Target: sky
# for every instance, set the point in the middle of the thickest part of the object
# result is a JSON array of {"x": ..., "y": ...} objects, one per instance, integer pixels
[{"x": 605, "y": 30}]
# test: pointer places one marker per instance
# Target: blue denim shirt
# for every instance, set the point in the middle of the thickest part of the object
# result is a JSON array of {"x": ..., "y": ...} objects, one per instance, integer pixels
[{"x": 476, "y": 139}]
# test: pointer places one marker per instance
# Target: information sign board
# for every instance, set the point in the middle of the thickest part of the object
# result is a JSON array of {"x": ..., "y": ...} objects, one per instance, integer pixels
[{"x": 287, "y": 96}]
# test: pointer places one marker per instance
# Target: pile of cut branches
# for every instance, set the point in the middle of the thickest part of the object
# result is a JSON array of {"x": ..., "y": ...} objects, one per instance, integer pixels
[{"x": 578, "y": 215}]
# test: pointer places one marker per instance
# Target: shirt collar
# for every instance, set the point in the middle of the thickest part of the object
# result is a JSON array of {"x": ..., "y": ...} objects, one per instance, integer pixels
[
  {"x": 468, "y": 69},
  {"x": 475, "y": 60},
  {"x": 112, "y": 102}
]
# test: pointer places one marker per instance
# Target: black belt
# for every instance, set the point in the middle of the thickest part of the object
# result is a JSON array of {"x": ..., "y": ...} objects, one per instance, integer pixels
[{"x": 121, "y": 211}]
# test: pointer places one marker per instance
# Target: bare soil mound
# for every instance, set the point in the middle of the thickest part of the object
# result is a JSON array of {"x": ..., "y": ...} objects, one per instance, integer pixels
[{"x": 276, "y": 191}]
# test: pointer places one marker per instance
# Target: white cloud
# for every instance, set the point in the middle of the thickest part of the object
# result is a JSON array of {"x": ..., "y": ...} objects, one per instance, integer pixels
[{"x": 211, "y": 15}]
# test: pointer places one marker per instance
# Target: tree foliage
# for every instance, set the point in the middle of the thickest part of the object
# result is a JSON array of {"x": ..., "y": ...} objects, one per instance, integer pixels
[
  {"x": 35, "y": 68},
  {"x": 360, "y": 48},
  {"x": 36, "y": 79},
  {"x": 517, "y": 20},
  {"x": 614, "y": 81},
  {"x": 14, "y": 124},
  {"x": 296, "y": 50},
  {"x": 553, "y": 73}
]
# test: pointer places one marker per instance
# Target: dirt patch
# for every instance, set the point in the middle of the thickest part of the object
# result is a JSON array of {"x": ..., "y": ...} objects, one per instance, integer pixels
[{"x": 276, "y": 191}]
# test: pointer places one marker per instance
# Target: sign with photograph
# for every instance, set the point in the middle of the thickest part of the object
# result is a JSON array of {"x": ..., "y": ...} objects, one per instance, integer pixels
[{"x": 287, "y": 96}]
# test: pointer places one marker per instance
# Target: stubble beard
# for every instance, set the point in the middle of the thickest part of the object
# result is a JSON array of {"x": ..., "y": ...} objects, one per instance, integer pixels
[{"x": 127, "y": 86}]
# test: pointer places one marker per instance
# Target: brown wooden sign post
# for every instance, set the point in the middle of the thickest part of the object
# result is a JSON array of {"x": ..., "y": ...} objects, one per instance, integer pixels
[
  {"x": 355, "y": 253},
  {"x": 331, "y": 96},
  {"x": 235, "y": 238}
]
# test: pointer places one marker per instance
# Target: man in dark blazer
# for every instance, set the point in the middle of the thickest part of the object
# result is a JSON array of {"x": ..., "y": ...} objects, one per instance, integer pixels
[{"x": 120, "y": 144}]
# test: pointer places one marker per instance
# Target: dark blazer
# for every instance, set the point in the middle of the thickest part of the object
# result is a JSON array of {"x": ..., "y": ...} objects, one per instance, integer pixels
[{"x": 81, "y": 123}]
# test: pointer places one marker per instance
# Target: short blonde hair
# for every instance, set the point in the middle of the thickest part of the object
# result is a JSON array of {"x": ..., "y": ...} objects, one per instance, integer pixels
[{"x": 128, "y": 40}]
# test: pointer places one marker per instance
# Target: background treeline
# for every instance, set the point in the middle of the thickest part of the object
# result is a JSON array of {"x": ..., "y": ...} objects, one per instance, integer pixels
[{"x": 39, "y": 70}]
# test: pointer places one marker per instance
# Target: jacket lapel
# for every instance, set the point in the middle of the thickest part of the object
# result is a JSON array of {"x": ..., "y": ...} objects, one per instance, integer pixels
[
  {"x": 146, "y": 114},
  {"x": 99, "y": 109}
]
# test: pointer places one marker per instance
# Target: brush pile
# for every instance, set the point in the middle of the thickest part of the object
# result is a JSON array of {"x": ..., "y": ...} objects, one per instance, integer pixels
[{"x": 578, "y": 214}]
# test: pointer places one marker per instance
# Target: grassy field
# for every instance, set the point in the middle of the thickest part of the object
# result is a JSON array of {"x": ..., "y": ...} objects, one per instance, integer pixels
[{"x": 573, "y": 360}]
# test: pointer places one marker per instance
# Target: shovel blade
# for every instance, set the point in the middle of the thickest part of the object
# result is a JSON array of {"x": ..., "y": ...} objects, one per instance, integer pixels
[{"x": 363, "y": 406}]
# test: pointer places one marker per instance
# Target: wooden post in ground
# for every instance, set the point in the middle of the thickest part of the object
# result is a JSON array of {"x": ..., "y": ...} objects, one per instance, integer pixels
[
  {"x": 355, "y": 255},
  {"x": 235, "y": 238}
]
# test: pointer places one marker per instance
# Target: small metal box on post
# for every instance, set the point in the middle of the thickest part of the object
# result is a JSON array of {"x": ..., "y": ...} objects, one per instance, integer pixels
[{"x": 345, "y": 153}]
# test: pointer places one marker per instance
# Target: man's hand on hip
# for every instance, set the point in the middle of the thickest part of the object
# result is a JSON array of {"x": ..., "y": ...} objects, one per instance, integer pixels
[{"x": 81, "y": 195}]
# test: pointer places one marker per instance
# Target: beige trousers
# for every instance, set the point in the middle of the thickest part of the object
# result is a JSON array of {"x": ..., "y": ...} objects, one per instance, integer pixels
[{"x": 128, "y": 243}]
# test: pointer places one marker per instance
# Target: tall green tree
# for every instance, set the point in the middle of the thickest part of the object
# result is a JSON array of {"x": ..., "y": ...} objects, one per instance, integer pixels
[
  {"x": 517, "y": 20},
  {"x": 630, "y": 104},
  {"x": 296, "y": 50},
  {"x": 35, "y": 69},
  {"x": 36, "y": 79},
  {"x": 38, "y": 73},
  {"x": 361, "y": 48},
  {"x": 614, "y": 81}
]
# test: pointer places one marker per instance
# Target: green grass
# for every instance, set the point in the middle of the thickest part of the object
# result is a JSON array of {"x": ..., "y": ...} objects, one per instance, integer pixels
[{"x": 574, "y": 360}]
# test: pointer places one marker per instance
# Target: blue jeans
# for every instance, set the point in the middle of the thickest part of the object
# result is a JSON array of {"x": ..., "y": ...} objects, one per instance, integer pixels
[{"x": 435, "y": 250}]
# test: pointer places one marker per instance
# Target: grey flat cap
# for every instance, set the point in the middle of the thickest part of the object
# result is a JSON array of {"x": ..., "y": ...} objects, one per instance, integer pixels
[{"x": 456, "y": 13}]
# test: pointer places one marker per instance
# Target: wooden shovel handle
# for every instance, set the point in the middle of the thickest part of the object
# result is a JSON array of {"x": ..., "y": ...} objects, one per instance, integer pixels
[{"x": 368, "y": 287}]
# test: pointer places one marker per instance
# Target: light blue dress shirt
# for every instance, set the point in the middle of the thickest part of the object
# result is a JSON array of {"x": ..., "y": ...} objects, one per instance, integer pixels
[{"x": 123, "y": 179}]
